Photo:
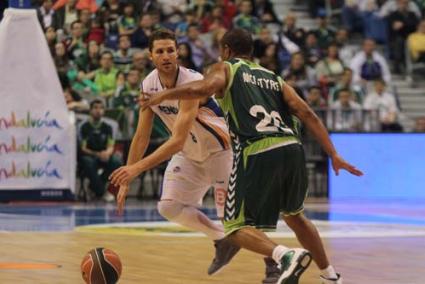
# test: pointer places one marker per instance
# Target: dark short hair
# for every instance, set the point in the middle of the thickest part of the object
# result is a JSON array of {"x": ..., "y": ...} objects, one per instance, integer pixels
[
  {"x": 343, "y": 90},
  {"x": 161, "y": 34},
  {"x": 96, "y": 102},
  {"x": 314, "y": 87},
  {"x": 239, "y": 41},
  {"x": 106, "y": 52}
]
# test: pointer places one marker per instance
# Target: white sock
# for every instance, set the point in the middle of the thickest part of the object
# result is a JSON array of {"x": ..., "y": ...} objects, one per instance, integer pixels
[
  {"x": 278, "y": 252},
  {"x": 329, "y": 272},
  {"x": 192, "y": 218}
]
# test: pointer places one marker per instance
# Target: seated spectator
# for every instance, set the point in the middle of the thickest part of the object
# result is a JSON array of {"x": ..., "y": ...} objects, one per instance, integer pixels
[
  {"x": 185, "y": 56},
  {"x": 105, "y": 78},
  {"x": 269, "y": 60},
  {"x": 217, "y": 35},
  {"x": 75, "y": 44},
  {"x": 416, "y": 43},
  {"x": 345, "y": 113},
  {"x": 214, "y": 20},
  {"x": 420, "y": 124},
  {"x": 47, "y": 16},
  {"x": 73, "y": 100},
  {"x": 305, "y": 76},
  {"x": 265, "y": 8},
  {"x": 123, "y": 56},
  {"x": 61, "y": 59},
  {"x": 97, "y": 147},
  {"x": 291, "y": 80},
  {"x": 200, "y": 52},
  {"x": 189, "y": 18},
  {"x": 368, "y": 65},
  {"x": 127, "y": 22},
  {"x": 96, "y": 31},
  {"x": 312, "y": 52},
  {"x": 90, "y": 61},
  {"x": 245, "y": 20},
  {"x": 386, "y": 104},
  {"x": 140, "y": 61},
  {"x": 346, "y": 50},
  {"x": 324, "y": 33},
  {"x": 402, "y": 23},
  {"x": 291, "y": 31},
  {"x": 264, "y": 38},
  {"x": 172, "y": 12},
  {"x": 50, "y": 35},
  {"x": 140, "y": 37},
  {"x": 315, "y": 6},
  {"x": 314, "y": 98},
  {"x": 346, "y": 83},
  {"x": 127, "y": 90},
  {"x": 330, "y": 69}
]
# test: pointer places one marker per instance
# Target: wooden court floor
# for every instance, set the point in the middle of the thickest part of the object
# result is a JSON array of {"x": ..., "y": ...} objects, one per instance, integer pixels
[{"x": 179, "y": 260}]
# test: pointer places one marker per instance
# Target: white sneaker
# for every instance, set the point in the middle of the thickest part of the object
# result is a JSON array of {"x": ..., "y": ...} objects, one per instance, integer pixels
[
  {"x": 108, "y": 197},
  {"x": 332, "y": 280},
  {"x": 293, "y": 264}
]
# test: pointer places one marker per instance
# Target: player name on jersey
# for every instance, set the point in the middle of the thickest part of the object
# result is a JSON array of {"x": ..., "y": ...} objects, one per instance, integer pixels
[{"x": 261, "y": 82}]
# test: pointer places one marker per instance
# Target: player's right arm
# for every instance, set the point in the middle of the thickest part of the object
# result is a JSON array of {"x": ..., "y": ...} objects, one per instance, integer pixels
[
  {"x": 301, "y": 110},
  {"x": 138, "y": 147}
]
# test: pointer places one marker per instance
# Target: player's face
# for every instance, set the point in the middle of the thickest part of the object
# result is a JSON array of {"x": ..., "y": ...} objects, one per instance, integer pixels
[{"x": 164, "y": 55}]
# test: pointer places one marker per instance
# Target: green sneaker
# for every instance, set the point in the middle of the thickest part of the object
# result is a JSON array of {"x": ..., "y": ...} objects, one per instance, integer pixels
[{"x": 293, "y": 264}]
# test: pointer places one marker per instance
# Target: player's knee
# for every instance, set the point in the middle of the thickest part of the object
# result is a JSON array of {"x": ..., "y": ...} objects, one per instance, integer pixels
[{"x": 169, "y": 209}]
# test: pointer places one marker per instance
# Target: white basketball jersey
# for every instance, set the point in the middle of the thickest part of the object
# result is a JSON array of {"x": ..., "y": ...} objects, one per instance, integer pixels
[{"x": 208, "y": 133}]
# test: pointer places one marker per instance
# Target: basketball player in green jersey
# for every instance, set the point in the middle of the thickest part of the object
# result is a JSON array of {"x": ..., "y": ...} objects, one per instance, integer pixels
[{"x": 269, "y": 174}]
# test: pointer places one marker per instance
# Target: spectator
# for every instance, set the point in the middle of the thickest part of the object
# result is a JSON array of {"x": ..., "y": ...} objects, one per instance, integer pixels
[
  {"x": 368, "y": 65},
  {"x": 385, "y": 103},
  {"x": 374, "y": 26},
  {"x": 217, "y": 34},
  {"x": 416, "y": 43},
  {"x": 75, "y": 45},
  {"x": 420, "y": 124},
  {"x": 314, "y": 6},
  {"x": 346, "y": 83},
  {"x": 315, "y": 99},
  {"x": 269, "y": 60},
  {"x": 123, "y": 56},
  {"x": 245, "y": 20},
  {"x": 73, "y": 100},
  {"x": 402, "y": 22},
  {"x": 61, "y": 59},
  {"x": 97, "y": 147},
  {"x": 127, "y": 90},
  {"x": 200, "y": 52},
  {"x": 84, "y": 16},
  {"x": 185, "y": 56},
  {"x": 264, "y": 38},
  {"x": 214, "y": 20},
  {"x": 325, "y": 34},
  {"x": 140, "y": 37},
  {"x": 352, "y": 15},
  {"x": 50, "y": 34},
  {"x": 189, "y": 19},
  {"x": 305, "y": 76},
  {"x": 140, "y": 61},
  {"x": 96, "y": 31},
  {"x": 345, "y": 113},
  {"x": 346, "y": 51},
  {"x": 391, "y": 6},
  {"x": 312, "y": 52},
  {"x": 105, "y": 78},
  {"x": 291, "y": 80},
  {"x": 265, "y": 7},
  {"x": 90, "y": 62},
  {"x": 47, "y": 16},
  {"x": 67, "y": 13},
  {"x": 330, "y": 68},
  {"x": 127, "y": 22},
  {"x": 291, "y": 31}
]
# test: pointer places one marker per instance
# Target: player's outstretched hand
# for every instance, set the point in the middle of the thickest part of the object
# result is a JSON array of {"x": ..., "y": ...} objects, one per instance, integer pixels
[
  {"x": 123, "y": 175},
  {"x": 147, "y": 99},
  {"x": 339, "y": 163},
  {"x": 121, "y": 197}
]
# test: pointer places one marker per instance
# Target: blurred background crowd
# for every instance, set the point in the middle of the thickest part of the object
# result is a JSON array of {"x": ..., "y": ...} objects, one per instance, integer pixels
[{"x": 358, "y": 63}]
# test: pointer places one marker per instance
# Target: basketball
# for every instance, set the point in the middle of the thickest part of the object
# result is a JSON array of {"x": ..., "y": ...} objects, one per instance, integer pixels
[{"x": 101, "y": 266}]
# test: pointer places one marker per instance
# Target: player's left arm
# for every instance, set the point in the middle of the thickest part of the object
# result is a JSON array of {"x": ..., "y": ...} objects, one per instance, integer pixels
[
  {"x": 188, "y": 111},
  {"x": 213, "y": 83},
  {"x": 301, "y": 110}
]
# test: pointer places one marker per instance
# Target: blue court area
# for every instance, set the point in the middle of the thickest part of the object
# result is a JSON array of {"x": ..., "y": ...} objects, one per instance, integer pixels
[{"x": 67, "y": 216}]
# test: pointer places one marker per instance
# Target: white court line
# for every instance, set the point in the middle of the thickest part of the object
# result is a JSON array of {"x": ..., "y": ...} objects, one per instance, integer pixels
[{"x": 327, "y": 229}]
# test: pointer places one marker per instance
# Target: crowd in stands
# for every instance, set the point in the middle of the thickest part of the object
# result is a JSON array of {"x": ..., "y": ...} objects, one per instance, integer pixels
[{"x": 101, "y": 53}]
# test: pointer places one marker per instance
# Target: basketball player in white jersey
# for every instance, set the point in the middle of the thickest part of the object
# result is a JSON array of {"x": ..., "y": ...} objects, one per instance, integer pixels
[{"x": 199, "y": 146}]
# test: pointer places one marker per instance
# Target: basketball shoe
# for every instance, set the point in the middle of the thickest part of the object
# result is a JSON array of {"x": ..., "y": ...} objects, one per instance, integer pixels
[
  {"x": 225, "y": 250},
  {"x": 293, "y": 264},
  {"x": 337, "y": 280},
  {"x": 272, "y": 271}
]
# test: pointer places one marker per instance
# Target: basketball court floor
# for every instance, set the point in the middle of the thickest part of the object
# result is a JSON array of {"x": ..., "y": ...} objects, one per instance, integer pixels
[{"x": 368, "y": 242}]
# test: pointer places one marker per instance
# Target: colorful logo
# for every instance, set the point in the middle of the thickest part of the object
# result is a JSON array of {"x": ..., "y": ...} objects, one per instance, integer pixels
[
  {"x": 29, "y": 146},
  {"x": 29, "y": 172},
  {"x": 30, "y": 121}
]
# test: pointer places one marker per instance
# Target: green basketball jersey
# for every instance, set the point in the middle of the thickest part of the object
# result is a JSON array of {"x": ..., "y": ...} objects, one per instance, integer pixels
[{"x": 254, "y": 106}]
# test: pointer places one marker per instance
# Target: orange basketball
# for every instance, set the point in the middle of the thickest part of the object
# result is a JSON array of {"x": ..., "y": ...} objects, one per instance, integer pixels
[{"x": 101, "y": 266}]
